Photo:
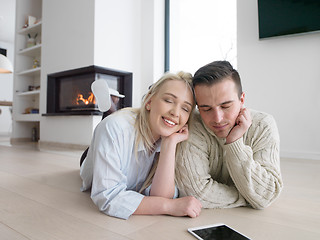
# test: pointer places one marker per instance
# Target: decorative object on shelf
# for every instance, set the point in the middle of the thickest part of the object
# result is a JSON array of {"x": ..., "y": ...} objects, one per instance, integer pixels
[
  {"x": 36, "y": 63},
  {"x": 31, "y": 20},
  {"x": 38, "y": 39},
  {"x": 31, "y": 110},
  {"x": 5, "y": 65},
  {"x": 33, "y": 88},
  {"x": 31, "y": 40}
]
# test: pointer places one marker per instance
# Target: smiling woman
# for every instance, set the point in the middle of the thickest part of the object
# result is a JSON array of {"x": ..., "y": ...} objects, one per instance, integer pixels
[{"x": 124, "y": 167}]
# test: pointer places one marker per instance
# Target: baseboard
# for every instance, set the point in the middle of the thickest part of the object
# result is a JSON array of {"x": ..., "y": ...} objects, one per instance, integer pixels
[
  {"x": 61, "y": 146},
  {"x": 300, "y": 155},
  {"x": 20, "y": 140},
  {"x": 5, "y": 134}
]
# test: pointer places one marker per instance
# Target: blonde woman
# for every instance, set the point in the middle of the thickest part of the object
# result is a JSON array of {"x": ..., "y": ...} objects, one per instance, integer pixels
[{"x": 125, "y": 150}]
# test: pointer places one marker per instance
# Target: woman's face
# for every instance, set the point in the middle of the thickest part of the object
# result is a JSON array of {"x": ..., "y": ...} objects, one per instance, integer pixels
[{"x": 170, "y": 108}]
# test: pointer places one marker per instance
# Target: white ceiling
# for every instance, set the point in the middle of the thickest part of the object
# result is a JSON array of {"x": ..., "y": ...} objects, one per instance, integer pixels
[{"x": 7, "y": 20}]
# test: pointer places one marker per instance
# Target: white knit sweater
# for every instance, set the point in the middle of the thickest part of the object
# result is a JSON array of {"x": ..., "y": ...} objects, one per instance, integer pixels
[{"x": 235, "y": 174}]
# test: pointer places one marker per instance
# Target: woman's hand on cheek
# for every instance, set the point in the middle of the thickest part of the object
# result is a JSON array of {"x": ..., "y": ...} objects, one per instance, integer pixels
[
  {"x": 182, "y": 134},
  {"x": 179, "y": 136}
]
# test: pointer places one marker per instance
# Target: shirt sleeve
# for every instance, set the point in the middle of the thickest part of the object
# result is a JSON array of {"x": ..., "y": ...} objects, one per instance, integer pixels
[
  {"x": 148, "y": 189},
  {"x": 109, "y": 185},
  {"x": 195, "y": 160},
  {"x": 254, "y": 163}
]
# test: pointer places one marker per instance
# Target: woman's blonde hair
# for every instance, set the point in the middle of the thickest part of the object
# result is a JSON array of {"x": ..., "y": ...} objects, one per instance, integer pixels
[{"x": 142, "y": 125}]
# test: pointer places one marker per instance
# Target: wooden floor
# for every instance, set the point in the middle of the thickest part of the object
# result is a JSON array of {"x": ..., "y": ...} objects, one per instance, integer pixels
[{"x": 40, "y": 199}]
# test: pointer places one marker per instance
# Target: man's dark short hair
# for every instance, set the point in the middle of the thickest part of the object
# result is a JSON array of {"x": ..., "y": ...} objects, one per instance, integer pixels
[{"x": 216, "y": 72}]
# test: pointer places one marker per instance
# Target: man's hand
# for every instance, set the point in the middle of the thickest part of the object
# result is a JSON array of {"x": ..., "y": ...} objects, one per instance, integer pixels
[{"x": 243, "y": 122}]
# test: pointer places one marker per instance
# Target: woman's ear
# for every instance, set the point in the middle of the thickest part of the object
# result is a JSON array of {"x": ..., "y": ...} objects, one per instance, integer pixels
[{"x": 148, "y": 105}]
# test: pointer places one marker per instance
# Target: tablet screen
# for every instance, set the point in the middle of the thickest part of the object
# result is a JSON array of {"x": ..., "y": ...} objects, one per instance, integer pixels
[{"x": 217, "y": 233}]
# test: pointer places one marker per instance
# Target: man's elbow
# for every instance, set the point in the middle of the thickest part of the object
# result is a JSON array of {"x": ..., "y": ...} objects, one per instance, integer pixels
[{"x": 266, "y": 200}]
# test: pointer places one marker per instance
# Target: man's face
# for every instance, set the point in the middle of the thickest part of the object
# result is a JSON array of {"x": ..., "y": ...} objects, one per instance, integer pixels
[{"x": 219, "y": 106}]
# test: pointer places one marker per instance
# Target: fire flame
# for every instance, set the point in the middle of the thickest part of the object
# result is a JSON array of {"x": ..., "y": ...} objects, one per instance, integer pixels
[{"x": 90, "y": 99}]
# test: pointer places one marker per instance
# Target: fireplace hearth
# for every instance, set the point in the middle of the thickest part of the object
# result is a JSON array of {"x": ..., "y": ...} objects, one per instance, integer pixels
[{"x": 69, "y": 92}]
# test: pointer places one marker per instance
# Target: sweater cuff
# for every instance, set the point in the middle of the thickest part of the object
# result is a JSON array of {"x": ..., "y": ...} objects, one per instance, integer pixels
[{"x": 235, "y": 147}]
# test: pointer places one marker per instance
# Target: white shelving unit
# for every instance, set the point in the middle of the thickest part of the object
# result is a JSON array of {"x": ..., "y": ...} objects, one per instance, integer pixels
[
  {"x": 36, "y": 28},
  {"x": 31, "y": 51},
  {"x": 27, "y": 74},
  {"x": 34, "y": 92},
  {"x": 30, "y": 72}
]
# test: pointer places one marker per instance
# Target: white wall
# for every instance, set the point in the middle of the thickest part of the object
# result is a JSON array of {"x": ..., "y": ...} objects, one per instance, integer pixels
[
  {"x": 126, "y": 39},
  {"x": 117, "y": 41},
  {"x": 7, "y": 23},
  {"x": 281, "y": 76},
  {"x": 6, "y": 92},
  {"x": 68, "y": 43}
]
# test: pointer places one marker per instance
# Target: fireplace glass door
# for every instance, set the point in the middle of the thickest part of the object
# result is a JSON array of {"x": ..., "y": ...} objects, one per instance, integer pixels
[{"x": 75, "y": 94}]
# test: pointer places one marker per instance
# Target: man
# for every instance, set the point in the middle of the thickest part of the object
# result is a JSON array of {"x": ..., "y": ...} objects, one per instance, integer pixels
[{"x": 231, "y": 158}]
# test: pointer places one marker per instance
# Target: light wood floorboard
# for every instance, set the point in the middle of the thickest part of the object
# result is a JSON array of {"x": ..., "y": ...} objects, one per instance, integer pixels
[{"x": 40, "y": 198}]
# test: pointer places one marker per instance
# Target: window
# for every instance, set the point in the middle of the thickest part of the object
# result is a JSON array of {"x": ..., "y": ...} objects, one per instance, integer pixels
[{"x": 201, "y": 31}]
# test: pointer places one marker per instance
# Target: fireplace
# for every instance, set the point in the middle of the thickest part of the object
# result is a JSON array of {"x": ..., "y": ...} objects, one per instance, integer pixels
[{"x": 69, "y": 92}]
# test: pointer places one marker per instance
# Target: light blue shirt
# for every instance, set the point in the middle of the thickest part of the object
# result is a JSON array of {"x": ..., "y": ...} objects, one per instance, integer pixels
[{"x": 111, "y": 168}]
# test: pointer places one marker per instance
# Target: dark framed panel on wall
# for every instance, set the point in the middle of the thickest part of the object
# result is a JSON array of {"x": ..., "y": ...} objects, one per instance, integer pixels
[
  {"x": 284, "y": 18},
  {"x": 3, "y": 51}
]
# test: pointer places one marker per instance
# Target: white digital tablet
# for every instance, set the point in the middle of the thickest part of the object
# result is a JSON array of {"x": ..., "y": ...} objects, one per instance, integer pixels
[{"x": 216, "y": 232}]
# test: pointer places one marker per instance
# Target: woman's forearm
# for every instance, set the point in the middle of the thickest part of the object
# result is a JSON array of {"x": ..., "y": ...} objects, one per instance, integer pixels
[
  {"x": 163, "y": 181},
  {"x": 186, "y": 206}
]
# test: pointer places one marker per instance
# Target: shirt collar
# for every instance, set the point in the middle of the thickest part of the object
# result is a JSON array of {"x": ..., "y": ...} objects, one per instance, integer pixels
[{"x": 141, "y": 146}]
